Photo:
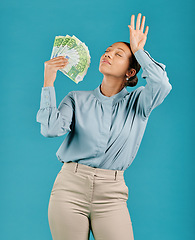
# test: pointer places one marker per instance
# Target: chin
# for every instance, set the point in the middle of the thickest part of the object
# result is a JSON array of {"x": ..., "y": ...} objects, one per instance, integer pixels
[{"x": 104, "y": 69}]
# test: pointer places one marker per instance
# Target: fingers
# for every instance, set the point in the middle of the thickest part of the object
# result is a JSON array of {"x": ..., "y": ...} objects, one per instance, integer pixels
[
  {"x": 146, "y": 31},
  {"x": 57, "y": 62},
  {"x": 142, "y": 24},
  {"x": 138, "y": 21},
  {"x": 60, "y": 64},
  {"x": 56, "y": 59},
  {"x": 132, "y": 21},
  {"x": 138, "y": 27}
]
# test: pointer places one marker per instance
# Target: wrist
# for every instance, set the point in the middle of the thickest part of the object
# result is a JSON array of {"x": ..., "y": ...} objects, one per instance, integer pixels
[
  {"x": 135, "y": 50},
  {"x": 48, "y": 84}
]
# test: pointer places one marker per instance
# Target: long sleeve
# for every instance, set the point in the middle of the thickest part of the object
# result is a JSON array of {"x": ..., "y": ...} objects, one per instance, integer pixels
[
  {"x": 157, "y": 87},
  {"x": 55, "y": 121},
  {"x": 105, "y": 132}
]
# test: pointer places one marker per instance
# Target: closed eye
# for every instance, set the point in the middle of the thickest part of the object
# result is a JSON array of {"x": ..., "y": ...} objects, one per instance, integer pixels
[{"x": 117, "y": 53}]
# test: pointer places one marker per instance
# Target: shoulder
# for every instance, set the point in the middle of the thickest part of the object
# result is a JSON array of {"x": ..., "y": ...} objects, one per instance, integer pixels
[
  {"x": 139, "y": 89},
  {"x": 135, "y": 92},
  {"x": 81, "y": 95}
]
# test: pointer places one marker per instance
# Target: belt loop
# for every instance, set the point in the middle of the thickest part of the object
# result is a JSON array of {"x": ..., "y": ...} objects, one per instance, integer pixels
[
  {"x": 76, "y": 167},
  {"x": 115, "y": 174}
]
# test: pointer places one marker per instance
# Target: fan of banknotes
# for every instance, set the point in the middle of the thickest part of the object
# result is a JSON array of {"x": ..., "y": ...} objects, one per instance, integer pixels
[{"x": 77, "y": 54}]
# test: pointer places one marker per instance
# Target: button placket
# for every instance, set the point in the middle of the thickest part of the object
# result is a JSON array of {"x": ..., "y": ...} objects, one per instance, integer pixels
[{"x": 107, "y": 106}]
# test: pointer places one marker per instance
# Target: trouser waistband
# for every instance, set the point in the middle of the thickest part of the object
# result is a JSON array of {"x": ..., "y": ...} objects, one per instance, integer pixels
[{"x": 82, "y": 168}]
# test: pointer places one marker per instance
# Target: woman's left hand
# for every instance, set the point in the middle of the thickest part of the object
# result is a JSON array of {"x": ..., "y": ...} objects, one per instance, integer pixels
[{"x": 137, "y": 37}]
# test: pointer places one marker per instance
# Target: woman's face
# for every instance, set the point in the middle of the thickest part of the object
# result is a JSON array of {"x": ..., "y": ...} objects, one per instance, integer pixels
[{"x": 117, "y": 55}]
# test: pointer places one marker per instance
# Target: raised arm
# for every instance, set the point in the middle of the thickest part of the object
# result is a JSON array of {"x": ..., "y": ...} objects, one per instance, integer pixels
[
  {"x": 55, "y": 121},
  {"x": 158, "y": 86}
]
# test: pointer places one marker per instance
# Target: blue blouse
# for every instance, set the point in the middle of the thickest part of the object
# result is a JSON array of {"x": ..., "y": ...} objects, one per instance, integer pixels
[{"x": 104, "y": 132}]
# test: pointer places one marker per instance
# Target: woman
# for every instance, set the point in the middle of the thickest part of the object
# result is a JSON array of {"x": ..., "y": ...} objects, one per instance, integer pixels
[{"x": 105, "y": 127}]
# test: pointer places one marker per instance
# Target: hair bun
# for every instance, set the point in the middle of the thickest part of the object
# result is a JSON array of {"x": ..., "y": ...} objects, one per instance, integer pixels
[{"x": 132, "y": 81}]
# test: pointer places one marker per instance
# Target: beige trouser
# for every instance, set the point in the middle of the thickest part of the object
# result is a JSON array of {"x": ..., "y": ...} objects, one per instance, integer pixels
[{"x": 84, "y": 198}]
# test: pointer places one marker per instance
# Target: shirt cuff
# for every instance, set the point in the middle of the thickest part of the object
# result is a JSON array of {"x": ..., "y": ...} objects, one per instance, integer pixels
[
  {"x": 48, "y": 97},
  {"x": 143, "y": 57}
]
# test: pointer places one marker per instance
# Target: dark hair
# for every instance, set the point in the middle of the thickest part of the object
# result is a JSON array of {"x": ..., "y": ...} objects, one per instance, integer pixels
[{"x": 133, "y": 64}]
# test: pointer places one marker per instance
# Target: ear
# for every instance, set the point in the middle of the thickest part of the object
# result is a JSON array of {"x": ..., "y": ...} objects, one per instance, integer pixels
[{"x": 131, "y": 73}]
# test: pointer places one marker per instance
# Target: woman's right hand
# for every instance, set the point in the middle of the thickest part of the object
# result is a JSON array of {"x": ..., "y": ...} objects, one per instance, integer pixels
[{"x": 51, "y": 68}]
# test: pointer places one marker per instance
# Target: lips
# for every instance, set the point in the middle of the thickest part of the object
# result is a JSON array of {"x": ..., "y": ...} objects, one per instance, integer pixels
[{"x": 104, "y": 60}]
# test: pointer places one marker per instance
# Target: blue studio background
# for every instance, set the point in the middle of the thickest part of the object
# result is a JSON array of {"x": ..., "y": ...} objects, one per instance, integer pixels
[{"x": 160, "y": 179}]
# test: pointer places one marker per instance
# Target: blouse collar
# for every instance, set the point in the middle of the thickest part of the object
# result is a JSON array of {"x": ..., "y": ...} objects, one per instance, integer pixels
[{"x": 114, "y": 98}]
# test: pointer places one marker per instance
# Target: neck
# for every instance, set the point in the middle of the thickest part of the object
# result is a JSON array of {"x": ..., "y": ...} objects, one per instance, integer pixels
[{"x": 111, "y": 88}]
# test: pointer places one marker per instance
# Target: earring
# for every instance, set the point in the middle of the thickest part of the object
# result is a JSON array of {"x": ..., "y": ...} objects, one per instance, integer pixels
[{"x": 127, "y": 78}]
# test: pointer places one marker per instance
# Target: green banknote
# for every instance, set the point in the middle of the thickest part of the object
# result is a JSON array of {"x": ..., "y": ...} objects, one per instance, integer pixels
[{"x": 77, "y": 54}]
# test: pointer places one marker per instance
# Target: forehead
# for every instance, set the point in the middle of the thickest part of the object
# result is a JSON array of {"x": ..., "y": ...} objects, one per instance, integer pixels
[{"x": 121, "y": 46}]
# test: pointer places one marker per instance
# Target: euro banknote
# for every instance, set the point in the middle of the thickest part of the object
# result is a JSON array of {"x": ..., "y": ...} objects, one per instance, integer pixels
[{"x": 76, "y": 52}]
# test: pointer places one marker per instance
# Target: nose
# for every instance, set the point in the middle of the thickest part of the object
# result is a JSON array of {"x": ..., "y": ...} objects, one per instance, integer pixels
[{"x": 106, "y": 55}]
